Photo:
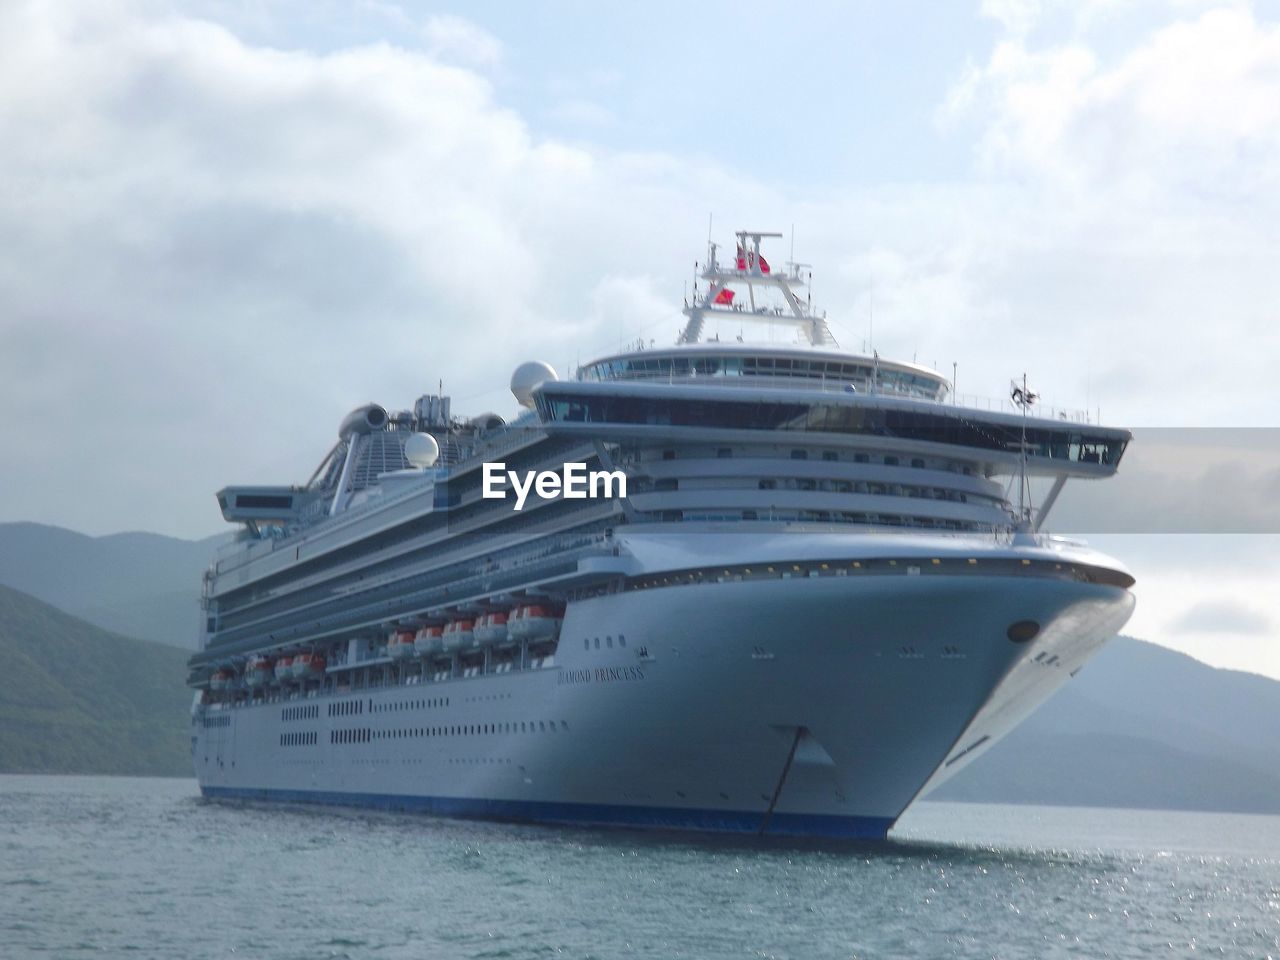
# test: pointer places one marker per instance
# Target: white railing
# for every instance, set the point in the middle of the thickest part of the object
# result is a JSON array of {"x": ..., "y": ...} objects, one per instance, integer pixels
[
  {"x": 1006, "y": 405},
  {"x": 828, "y": 385},
  {"x": 817, "y": 384}
]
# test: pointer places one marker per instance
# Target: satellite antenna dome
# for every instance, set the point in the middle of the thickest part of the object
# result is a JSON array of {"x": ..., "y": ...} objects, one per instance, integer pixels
[
  {"x": 528, "y": 377},
  {"x": 421, "y": 450}
]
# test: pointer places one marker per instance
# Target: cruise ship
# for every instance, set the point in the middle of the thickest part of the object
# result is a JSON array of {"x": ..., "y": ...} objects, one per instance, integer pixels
[{"x": 820, "y": 588}]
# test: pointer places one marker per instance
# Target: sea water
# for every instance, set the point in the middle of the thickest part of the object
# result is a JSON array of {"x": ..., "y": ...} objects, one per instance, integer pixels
[{"x": 116, "y": 867}]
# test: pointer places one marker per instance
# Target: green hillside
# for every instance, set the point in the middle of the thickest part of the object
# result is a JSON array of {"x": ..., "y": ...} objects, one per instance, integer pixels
[
  {"x": 77, "y": 699},
  {"x": 143, "y": 585}
]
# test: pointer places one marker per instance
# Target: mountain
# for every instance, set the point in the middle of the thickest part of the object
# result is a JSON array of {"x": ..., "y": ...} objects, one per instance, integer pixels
[
  {"x": 1140, "y": 726},
  {"x": 139, "y": 584},
  {"x": 77, "y": 699}
]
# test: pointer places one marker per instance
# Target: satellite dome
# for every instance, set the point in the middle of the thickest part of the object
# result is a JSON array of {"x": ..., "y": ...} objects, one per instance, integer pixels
[
  {"x": 421, "y": 450},
  {"x": 528, "y": 377}
]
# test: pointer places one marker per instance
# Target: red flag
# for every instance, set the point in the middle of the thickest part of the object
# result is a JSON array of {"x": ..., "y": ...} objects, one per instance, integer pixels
[
  {"x": 724, "y": 296},
  {"x": 744, "y": 258}
]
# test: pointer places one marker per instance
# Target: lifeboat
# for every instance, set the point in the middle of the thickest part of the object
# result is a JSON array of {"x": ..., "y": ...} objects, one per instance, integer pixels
[
  {"x": 491, "y": 628},
  {"x": 257, "y": 671},
  {"x": 429, "y": 640},
  {"x": 534, "y": 621},
  {"x": 220, "y": 680},
  {"x": 458, "y": 635},
  {"x": 307, "y": 665},
  {"x": 284, "y": 669},
  {"x": 400, "y": 645}
]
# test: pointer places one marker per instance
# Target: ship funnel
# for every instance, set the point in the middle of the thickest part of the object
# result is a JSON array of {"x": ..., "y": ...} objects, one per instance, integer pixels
[
  {"x": 528, "y": 377},
  {"x": 364, "y": 419}
]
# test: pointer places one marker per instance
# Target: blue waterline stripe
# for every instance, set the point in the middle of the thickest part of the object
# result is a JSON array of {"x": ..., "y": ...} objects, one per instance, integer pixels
[{"x": 581, "y": 814}]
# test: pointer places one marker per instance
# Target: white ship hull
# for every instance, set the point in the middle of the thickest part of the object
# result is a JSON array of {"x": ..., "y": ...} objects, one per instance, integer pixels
[{"x": 814, "y": 705}]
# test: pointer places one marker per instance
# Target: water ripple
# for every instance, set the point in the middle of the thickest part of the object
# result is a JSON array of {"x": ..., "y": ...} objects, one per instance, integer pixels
[{"x": 114, "y": 867}]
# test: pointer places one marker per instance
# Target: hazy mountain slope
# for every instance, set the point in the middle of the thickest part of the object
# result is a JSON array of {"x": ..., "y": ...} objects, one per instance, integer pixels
[
  {"x": 77, "y": 699},
  {"x": 139, "y": 584},
  {"x": 1141, "y": 726}
]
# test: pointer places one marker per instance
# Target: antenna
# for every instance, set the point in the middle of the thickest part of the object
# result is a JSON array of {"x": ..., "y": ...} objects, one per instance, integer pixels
[{"x": 871, "y": 313}]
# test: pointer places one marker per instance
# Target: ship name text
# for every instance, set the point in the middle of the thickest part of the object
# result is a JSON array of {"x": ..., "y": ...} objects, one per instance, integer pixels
[{"x": 600, "y": 675}]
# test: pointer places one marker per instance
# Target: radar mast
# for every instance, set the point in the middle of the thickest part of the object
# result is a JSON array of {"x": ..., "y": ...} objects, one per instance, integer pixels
[{"x": 750, "y": 270}]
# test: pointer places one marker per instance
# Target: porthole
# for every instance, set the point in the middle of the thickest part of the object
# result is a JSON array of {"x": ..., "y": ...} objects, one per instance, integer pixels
[{"x": 1023, "y": 631}]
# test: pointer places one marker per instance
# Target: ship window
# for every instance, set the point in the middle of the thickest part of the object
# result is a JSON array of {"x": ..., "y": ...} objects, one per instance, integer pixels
[
  {"x": 799, "y": 454},
  {"x": 917, "y": 463},
  {"x": 586, "y": 643},
  {"x": 622, "y": 641},
  {"x": 263, "y": 502},
  {"x": 597, "y": 642},
  {"x": 890, "y": 461},
  {"x": 668, "y": 454},
  {"x": 768, "y": 484},
  {"x": 830, "y": 455},
  {"x": 609, "y": 642},
  {"x": 724, "y": 453},
  {"x": 861, "y": 458}
]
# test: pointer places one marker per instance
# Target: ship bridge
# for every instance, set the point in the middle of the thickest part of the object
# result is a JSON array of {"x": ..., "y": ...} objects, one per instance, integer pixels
[{"x": 796, "y": 367}]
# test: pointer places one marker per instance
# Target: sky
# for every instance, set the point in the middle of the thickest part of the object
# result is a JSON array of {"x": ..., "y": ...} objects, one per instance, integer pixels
[{"x": 225, "y": 224}]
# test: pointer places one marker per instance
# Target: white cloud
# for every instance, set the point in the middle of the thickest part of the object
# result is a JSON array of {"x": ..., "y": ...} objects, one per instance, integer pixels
[
  {"x": 213, "y": 249},
  {"x": 454, "y": 38},
  {"x": 1213, "y": 598},
  {"x": 1222, "y": 617},
  {"x": 257, "y": 234},
  {"x": 1141, "y": 186},
  {"x": 1193, "y": 107}
]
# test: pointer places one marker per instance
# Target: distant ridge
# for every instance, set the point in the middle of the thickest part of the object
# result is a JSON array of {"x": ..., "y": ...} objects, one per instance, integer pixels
[
  {"x": 77, "y": 699},
  {"x": 1140, "y": 726},
  {"x": 140, "y": 584}
]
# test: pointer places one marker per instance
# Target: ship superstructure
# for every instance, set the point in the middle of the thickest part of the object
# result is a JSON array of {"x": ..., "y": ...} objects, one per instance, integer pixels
[{"x": 817, "y": 599}]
